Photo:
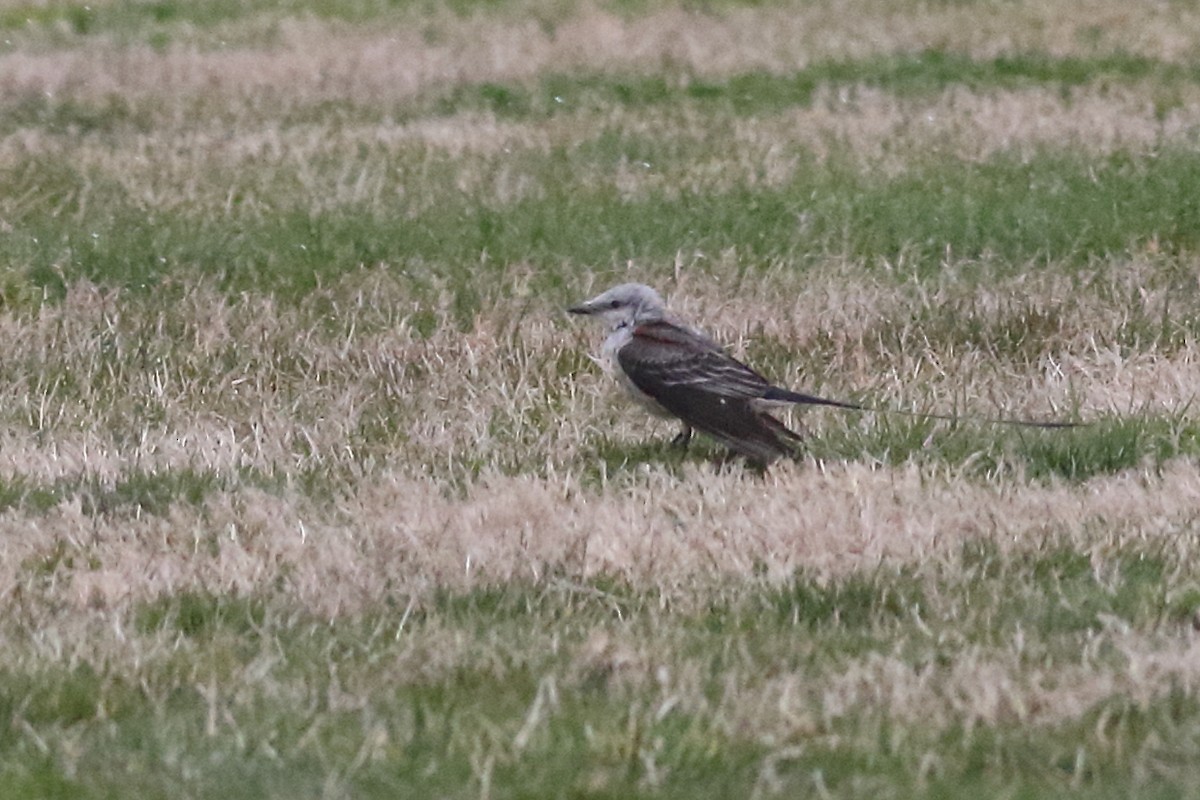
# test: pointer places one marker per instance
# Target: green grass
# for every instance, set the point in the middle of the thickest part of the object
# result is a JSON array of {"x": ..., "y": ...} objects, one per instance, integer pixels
[
  {"x": 309, "y": 488},
  {"x": 910, "y": 77},
  {"x": 975, "y": 445},
  {"x": 988, "y": 450},
  {"x": 221, "y": 23},
  {"x": 158, "y": 20},
  {"x": 924, "y": 73},
  {"x": 1009, "y": 213},
  {"x": 134, "y": 492},
  {"x": 291, "y": 694}
]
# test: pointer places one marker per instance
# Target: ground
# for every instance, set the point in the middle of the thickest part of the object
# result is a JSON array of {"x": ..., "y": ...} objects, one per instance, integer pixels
[{"x": 309, "y": 487}]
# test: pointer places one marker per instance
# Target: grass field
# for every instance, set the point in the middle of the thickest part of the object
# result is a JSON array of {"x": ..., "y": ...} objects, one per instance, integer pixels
[{"x": 309, "y": 488}]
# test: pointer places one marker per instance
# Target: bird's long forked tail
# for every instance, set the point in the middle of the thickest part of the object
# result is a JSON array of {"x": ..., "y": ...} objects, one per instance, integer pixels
[{"x": 778, "y": 394}]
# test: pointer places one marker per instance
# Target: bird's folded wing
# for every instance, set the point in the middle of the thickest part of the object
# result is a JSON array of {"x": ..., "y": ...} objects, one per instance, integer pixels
[{"x": 663, "y": 359}]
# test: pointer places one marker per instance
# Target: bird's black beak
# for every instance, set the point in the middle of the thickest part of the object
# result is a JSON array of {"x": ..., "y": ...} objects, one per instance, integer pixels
[{"x": 580, "y": 309}]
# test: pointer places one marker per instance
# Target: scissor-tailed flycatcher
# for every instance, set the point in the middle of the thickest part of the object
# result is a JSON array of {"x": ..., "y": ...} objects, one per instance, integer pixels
[{"x": 676, "y": 371}]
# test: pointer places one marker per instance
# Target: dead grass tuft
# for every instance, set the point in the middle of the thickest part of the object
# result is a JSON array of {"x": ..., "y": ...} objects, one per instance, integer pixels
[
  {"x": 347, "y": 469},
  {"x": 394, "y": 535},
  {"x": 334, "y": 62}
]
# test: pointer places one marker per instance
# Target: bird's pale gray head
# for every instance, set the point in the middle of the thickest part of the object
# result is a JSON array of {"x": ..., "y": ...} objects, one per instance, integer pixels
[{"x": 629, "y": 303}]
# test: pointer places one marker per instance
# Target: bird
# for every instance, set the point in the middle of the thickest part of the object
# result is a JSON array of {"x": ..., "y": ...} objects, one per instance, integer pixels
[{"x": 674, "y": 370}]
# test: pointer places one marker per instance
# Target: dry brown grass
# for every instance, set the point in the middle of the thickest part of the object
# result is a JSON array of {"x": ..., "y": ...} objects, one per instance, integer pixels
[
  {"x": 211, "y": 131},
  {"x": 393, "y": 534},
  {"x": 249, "y": 386},
  {"x": 351, "y": 458},
  {"x": 243, "y": 384},
  {"x": 268, "y": 167},
  {"x": 335, "y": 63}
]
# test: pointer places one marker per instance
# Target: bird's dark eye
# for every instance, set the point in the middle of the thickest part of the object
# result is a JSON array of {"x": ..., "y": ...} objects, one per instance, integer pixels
[{"x": 614, "y": 304}]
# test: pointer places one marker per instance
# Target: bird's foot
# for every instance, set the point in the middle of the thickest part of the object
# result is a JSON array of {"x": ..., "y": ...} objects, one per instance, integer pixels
[{"x": 682, "y": 439}]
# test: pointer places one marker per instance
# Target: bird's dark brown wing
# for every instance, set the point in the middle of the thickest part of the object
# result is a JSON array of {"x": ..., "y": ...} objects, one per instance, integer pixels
[
  {"x": 667, "y": 355},
  {"x": 709, "y": 390}
]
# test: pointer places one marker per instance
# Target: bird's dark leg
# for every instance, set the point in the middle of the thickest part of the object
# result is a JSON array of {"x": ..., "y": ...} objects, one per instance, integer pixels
[{"x": 684, "y": 437}]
